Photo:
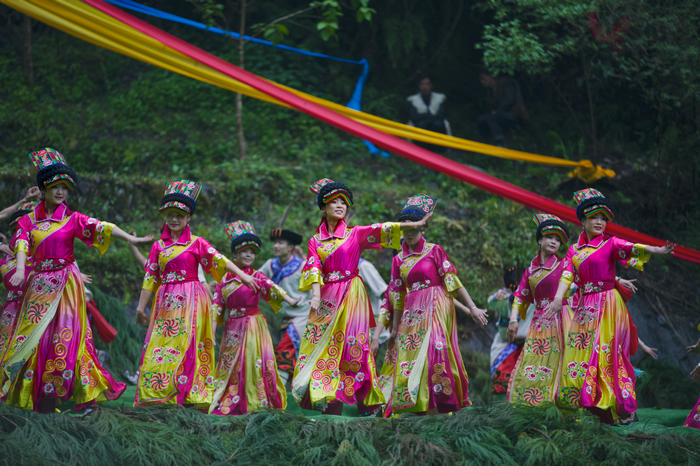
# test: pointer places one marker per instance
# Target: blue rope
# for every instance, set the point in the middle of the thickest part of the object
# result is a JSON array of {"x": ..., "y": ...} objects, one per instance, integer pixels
[{"x": 355, "y": 102}]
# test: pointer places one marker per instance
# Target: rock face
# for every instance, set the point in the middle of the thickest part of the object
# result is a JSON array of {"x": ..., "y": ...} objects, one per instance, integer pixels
[{"x": 669, "y": 336}]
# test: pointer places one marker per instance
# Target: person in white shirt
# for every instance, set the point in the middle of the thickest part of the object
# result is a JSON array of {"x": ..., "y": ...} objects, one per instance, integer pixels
[{"x": 285, "y": 270}]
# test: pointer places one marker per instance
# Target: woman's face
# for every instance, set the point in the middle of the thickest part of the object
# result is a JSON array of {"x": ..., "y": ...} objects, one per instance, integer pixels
[
  {"x": 335, "y": 209},
  {"x": 56, "y": 194},
  {"x": 176, "y": 221},
  {"x": 595, "y": 224},
  {"x": 245, "y": 257},
  {"x": 412, "y": 236},
  {"x": 549, "y": 244}
]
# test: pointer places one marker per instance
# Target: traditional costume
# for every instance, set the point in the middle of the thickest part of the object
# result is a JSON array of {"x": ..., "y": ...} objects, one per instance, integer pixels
[
  {"x": 598, "y": 334},
  {"x": 386, "y": 374},
  {"x": 52, "y": 354},
  {"x": 9, "y": 311},
  {"x": 535, "y": 378},
  {"x": 287, "y": 276},
  {"x": 429, "y": 369},
  {"x": 247, "y": 378},
  {"x": 178, "y": 356},
  {"x": 335, "y": 362}
]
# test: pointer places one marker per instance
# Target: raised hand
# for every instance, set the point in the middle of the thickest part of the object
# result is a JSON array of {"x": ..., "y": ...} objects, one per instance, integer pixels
[
  {"x": 86, "y": 278},
  {"x": 32, "y": 192},
  {"x": 479, "y": 316}
]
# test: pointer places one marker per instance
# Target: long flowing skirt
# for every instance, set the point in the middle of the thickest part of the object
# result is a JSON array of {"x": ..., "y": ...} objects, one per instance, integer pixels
[
  {"x": 429, "y": 368},
  {"x": 52, "y": 354},
  {"x": 693, "y": 419},
  {"x": 335, "y": 362},
  {"x": 9, "y": 312},
  {"x": 246, "y": 375},
  {"x": 535, "y": 378},
  {"x": 178, "y": 355},
  {"x": 596, "y": 371}
]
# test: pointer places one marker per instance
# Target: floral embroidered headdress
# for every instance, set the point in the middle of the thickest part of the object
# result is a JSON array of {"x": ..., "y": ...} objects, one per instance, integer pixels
[
  {"x": 242, "y": 236},
  {"x": 22, "y": 210},
  {"x": 326, "y": 190},
  {"x": 180, "y": 196},
  {"x": 591, "y": 201},
  {"x": 52, "y": 169},
  {"x": 417, "y": 207},
  {"x": 551, "y": 224}
]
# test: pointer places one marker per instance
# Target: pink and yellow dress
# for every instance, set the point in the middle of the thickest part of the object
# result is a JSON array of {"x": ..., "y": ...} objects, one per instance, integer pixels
[
  {"x": 335, "y": 362},
  {"x": 52, "y": 354},
  {"x": 246, "y": 375},
  {"x": 535, "y": 378},
  {"x": 178, "y": 356},
  {"x": 596, "y": 371},
  {"x": 693, "y": 419},
  {"x": 9, "y": 311},
  {"x": 386, "y": 375},
  {"x": 429, "y": 368}
]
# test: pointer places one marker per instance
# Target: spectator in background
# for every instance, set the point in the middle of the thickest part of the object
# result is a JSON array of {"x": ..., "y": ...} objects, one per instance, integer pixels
[
  {"x": 428, "y": 111},
  {"x": 7, "y": 212},
  {"x": 507, "y": 107}
]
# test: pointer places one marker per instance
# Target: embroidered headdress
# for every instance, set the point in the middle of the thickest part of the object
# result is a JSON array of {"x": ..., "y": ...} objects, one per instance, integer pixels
[
  {"x": 417, "y": 207},
  {"x": 293, "y": 238},
  {"x": 326, "y": 190},
  {"x": 180, "y": 196},
  {"x": 551, "y": 225},
  {"x": 22, "y": 210},
  {"x": 242, "y": 236},
  {"x": 52, "y": 169},
  {"x": 591, "y": 201}
]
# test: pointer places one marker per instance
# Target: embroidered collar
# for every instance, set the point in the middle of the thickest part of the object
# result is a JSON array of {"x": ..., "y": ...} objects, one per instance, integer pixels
[
  {"x": 184, "y": 239},
  {"x": 281, "y": 271},
  {"x": 229, "y": 277},
  {"x": 420, "y": 248},
  {"x": 594, "y": 243},
  {"x": 548, "y": 265},
  {"x": 341, "y": 230},
  {"x": 58, "y": 215}
]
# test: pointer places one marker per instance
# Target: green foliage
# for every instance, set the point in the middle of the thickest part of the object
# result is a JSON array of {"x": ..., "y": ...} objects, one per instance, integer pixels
[{"x": 493, "y": 434}]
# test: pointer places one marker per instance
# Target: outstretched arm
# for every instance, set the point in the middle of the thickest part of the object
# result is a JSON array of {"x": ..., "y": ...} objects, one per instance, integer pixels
[
  {"x": 135, "y": 251},
  {"x": 7, "y": 212},
  {"x": 121, "y": 234},
  {"x": 245, "y": 278},
  {"x": 661, "y": 250}
]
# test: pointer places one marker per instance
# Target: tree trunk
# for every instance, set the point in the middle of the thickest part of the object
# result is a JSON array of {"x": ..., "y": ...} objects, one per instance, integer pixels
[
  {"x": 594, "y": 138},
  {"x": 28, "y": 61},
  {"x": 239, "y": 97}
]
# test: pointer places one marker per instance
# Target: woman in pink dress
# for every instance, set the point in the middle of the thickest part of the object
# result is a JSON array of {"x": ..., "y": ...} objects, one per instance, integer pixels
[
  {"x": 177, "y": 361},
  {"x": 535, "y": 378},
  {"x": 335, "y": 364},
  {"x": 429, "y": 376},
  {"x": 693, "y": 419},
  {"x": 9, "y": 311},
  {"x": 52, "y": 356},
  {"x": 597, "y": 340},
  {"x": 246, "y": 375}
]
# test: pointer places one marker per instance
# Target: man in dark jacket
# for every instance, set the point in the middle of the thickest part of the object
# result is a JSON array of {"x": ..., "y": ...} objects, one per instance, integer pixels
[{"x": 507, "y": 108}]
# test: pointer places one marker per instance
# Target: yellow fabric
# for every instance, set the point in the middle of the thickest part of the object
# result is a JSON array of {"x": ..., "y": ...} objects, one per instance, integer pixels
[
  {"x": 309, "y": 277},
  {"x": 103, "y": 236},
  {"x": 520, "y": 306},
  {"x": 452, "y": 284},
  {"x": 85, "y": 22}
]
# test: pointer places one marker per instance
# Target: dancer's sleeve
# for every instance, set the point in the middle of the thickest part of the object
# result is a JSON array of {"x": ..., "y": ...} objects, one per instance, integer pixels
[
  {"x": 93, "y": 232},
  {"x": 311, "y": 273},
  {"x": 379, "y": 235},
  {"x": 270, "y": 291},
  {"x": 152, "y": 279},
  {"x": 217, "y": 305},
  {"x": 567, "y": 274},
  {"x": 523, "y": 295},
  {"x": 630, "y": 254},
  {"x": 21, "y": 240},
  {"x": 386, "y": 310},
  {"x": 212, "y": 261},
  {"x": 447, "y": 271},
  {"x": 397, "y": 287}
]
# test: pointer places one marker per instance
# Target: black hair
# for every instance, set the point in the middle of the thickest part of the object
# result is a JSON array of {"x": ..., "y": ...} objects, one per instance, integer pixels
[
  {"x": 49, "y": 172},
  {"x": 590, "y": 203},
  {"x": 330, "y": 187},
  {"x": 243, "y": 238},
  {"x": 421, "y": 77},
  {"x": 510, "y": 278},
  {"x": 547, "y": 223},
  {"x": 411, "y": 216},
  {"x": 18, "y": 214},
  {"x": 178, "y": 197}
]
